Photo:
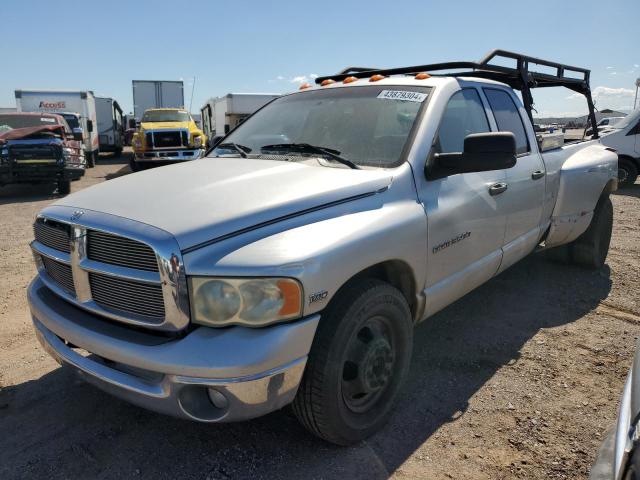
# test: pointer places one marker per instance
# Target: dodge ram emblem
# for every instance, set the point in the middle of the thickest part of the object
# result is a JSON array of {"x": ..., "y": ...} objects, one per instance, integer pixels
[{"x": 76, "y": 215}]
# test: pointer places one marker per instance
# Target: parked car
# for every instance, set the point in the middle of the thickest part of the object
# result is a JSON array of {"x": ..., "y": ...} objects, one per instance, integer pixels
[
  {"x": 166, "y": 135},
  {"x": 619, "y": 455},
  {"x": 291, "y": 264},
  {"x": 67, "y": 103},
  {"x": 39, "y": 148},
  {"x": 624, "y": 136}
]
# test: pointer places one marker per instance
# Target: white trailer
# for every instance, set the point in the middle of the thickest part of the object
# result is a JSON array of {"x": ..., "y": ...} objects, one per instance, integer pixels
[
  {"x": 110, "y": 125},
  {"x": 81, "y": 102},
  {"x": 220, "y": 115},
  {"x": 156, "y": 94}
]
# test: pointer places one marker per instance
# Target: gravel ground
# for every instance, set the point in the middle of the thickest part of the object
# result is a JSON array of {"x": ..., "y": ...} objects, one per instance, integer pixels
[{"x": 519, "y": 379}]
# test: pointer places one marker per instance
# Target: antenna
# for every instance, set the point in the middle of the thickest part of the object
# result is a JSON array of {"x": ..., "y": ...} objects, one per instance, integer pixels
[{"x": 193, "y": 86}]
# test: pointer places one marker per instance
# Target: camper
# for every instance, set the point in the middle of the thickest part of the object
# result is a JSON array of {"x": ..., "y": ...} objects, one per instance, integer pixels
[
  {"x": 220, "y": 115},
  {"x": 80, "y": 102},
  {"x": 110, "y": 125}
]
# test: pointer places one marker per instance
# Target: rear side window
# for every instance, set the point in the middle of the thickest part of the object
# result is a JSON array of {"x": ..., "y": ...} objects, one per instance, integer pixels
[
  {"x": 507, "y": 117},
  {"x": 463, "y": 115}
]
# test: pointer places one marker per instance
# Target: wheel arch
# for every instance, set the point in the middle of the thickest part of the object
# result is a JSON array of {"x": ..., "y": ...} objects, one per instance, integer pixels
[{"x": 396, "y": 273}]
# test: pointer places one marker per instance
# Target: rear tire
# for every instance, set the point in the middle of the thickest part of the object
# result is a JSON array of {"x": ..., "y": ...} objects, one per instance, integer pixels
[
  {"x": 358, "y": 363},
  {"x": 590, "y": 249},
  {"x": 64, "y": 187},
  {"x": 627, "y": 172}
]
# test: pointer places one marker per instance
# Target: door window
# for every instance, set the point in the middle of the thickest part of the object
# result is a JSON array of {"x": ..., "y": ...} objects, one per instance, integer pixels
[
  {"x": 507, "y": 117},
  {"x": 463, "y": 115}
]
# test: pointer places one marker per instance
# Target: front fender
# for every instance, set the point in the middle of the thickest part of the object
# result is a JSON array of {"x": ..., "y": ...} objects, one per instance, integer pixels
[{"x": 325, "y": 249}]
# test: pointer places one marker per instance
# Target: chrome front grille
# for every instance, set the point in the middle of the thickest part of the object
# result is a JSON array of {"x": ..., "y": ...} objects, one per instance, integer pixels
[
  {"x": 60, "y": 273},
  {"x": 53, "y": 234},
  {"x": 117, "y": 268},
  {"x": 127, "y": 296},
  {"x": 167, "y": 138},
  {"x": 116, "y": 250}
]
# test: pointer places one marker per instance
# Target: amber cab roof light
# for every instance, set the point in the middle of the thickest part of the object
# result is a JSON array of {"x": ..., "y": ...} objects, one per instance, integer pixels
[
  {"x": 422, "y": 76},
  {"x": 350, "y": 79},
  {"x": 377, "y": 77},
  {"x": 326, "y": 82},
  {"x": 304, "y": 86}
]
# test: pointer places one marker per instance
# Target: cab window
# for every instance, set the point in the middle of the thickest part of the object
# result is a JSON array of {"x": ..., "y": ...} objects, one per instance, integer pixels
[
  {"x": 507, "y": 117},
  {"x": 463, "y": 115}
]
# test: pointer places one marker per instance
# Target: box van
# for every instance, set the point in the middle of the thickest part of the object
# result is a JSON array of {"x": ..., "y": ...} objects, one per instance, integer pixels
[
  {"x": 110, "y": 125},
  {"x": 81, "y": 102}
]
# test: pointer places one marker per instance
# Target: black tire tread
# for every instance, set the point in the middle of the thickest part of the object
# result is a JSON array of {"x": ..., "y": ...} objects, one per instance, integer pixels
[
  {"x": 631, "y": 168},
  {"x": 584, "y": 250},
  {"x": 307, "y": 405}
]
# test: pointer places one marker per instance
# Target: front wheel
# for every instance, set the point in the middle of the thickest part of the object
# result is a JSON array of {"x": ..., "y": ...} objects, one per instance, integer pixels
[
  {"x": 357, "y": 365},
  {"x": 627, "y": 172},
  {"x": 64, "y": 187}
]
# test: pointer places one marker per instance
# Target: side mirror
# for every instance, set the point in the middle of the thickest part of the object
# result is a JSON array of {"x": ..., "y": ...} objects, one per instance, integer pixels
[
  {"x": 483, "y": 152},
  {"x": 78, "y": 133}
]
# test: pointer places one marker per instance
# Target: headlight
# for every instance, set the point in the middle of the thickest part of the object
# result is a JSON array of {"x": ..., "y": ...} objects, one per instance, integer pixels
[
  {"x": 197, "y": 141},
  {"x": 67, "y": 153},
  {"x": 253, "y": 302}
]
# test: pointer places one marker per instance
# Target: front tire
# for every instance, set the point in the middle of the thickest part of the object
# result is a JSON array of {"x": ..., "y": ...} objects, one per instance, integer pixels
[
  {"x": 358, "y": 363},
  {"x": 627, "y": 172},
  {"x": 64, "y": 187}
]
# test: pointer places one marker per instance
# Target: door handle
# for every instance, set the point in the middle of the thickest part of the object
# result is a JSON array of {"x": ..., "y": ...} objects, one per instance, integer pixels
[
  {"x": 538, "y": 174},
  {"x": 497, "y": 188}
]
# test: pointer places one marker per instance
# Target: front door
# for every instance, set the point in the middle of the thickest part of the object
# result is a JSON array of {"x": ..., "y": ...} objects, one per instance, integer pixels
[{"x": 465, "y": 215}]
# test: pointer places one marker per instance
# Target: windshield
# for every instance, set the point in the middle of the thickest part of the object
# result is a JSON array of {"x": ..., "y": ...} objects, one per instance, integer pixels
[
  {"x": 166, "y": 116},
  {"x": 364, "y": 125},
  {"x": 72, "y": 120},
  {"x": 9, "y": 122},
  {"x": 630, "y": 119}
]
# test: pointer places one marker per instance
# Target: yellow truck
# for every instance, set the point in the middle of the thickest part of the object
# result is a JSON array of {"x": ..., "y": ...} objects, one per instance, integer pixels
[{"x": 166, "y": 135}]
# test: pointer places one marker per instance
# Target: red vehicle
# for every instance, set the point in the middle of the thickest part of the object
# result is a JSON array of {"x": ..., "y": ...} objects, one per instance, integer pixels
[{"x": 39, "y": 148}]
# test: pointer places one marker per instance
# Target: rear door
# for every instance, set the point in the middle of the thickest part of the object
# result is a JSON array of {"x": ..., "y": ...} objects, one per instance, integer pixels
[
  {"x": 525, "y": 181},
  {"x": 466, "y": 223}
]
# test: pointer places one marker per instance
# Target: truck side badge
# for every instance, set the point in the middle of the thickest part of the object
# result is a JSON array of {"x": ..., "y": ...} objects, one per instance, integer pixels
[{"x": 316, "y": 297}]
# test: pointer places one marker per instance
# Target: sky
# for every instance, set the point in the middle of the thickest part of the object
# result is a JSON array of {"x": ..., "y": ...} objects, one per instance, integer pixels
[{"x": 273, "y": 46}]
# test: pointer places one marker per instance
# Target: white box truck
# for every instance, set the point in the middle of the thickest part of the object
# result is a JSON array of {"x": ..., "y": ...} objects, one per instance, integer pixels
[
  {"x": 79, "y": 102},
  {"x": 156, "y": 94},
  {"x": 110, "y": 125},
  {"x": 220, "y": 115}
]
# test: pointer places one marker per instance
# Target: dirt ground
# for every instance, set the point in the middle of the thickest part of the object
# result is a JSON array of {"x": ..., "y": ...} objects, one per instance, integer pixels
[{"x": 519, "y": 379}]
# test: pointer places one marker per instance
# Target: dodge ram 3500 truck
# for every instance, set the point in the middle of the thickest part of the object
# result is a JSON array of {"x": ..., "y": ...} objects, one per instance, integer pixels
[
  {"x": 39, "y": 148},
  {"x": 291, "y": 264},
  {"x": 166, "y": 135}
]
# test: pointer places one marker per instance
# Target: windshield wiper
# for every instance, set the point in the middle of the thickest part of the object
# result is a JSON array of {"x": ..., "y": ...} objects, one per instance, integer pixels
[
  {"x": 241, "y": 149},
  {"x": 308, "y": 148}
]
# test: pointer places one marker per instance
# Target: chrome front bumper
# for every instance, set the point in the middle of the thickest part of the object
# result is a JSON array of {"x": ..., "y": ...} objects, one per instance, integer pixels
[
  {"x": 209, "y": 375},
  {"x": 169, "y": 155}
]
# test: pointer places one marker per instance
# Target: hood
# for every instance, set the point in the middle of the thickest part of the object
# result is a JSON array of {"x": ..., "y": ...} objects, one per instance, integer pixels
[
  {"x": 208, "y": 198},
  {"x": 160, "y": 125},
  {"x": 27, "y": 132}
]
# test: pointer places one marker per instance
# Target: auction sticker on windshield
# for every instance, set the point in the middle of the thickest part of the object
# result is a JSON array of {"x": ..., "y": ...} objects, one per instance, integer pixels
[{"x": 404, "y": 95}]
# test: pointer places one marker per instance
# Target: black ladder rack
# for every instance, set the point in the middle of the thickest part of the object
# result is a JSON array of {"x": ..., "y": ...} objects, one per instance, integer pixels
[{"x": 518, "y": 78}]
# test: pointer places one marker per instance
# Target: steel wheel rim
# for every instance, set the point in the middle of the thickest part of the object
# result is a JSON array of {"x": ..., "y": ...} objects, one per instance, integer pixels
[
  {"x": 368, "y": 364},
  {"x": 622, "y": 175}
]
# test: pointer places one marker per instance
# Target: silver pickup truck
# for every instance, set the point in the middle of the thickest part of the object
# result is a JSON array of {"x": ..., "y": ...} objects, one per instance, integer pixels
[{"x": 291, "y": 264}]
